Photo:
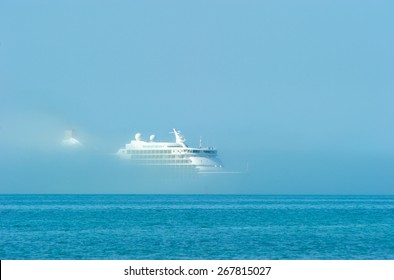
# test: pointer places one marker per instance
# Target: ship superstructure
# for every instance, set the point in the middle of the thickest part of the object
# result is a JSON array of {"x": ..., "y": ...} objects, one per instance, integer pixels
[{"x": 175, "y": 154}]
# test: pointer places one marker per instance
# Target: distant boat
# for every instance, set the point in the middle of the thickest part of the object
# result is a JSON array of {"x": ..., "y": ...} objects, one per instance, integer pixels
[
  {"x": 174, "y": 154},
  {"x": 69, "y": 139}
]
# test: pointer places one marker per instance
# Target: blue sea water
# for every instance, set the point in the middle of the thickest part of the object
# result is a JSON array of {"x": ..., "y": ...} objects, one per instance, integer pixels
[{"x": 196, "y": 227}]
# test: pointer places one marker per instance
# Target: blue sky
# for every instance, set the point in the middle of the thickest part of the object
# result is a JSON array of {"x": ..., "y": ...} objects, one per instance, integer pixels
[{"x": 302, "y": 91}]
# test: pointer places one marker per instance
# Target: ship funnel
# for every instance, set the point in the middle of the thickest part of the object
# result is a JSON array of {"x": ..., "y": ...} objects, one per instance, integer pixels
[
  {"x": 179, "y": 137},
  {"x": 138, "y": 137}
]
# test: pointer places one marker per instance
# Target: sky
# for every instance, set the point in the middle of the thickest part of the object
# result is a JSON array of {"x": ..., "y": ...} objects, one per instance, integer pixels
[{"x": 299, "y": 93}]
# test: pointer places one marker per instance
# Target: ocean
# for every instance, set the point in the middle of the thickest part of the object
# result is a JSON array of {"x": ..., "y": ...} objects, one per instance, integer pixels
[{"x": 165, "y": 227}]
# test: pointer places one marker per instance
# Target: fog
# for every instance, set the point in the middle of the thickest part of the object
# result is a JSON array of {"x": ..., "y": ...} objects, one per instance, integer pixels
[
  {"x": 34, "y": 160},
  {"x": 296, "y": 97}
]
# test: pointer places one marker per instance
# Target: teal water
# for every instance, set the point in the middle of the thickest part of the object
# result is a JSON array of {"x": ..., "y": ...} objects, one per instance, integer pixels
[{"x": 196, "y": 227}]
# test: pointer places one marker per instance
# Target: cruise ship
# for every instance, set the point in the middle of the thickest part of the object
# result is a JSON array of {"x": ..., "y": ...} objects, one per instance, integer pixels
[{"x": 174, "y": 154}]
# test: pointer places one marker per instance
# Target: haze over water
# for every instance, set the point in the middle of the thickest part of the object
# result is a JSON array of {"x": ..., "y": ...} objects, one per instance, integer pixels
[
  {"x": 297, "y": 96},
  {"x": 297, "y": 93}
]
